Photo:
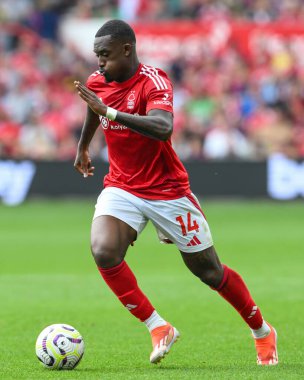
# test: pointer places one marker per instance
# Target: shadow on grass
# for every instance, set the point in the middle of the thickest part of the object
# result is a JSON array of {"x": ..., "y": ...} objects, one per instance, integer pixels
[
  {"x": 287, "y": 368},
  {"x": 182, "y": 370}
]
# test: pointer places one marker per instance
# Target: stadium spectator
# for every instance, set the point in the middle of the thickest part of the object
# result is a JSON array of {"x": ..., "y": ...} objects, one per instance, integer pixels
[
  {"x": 224, "y": 141},
  {"x": 37, "y": 70}
]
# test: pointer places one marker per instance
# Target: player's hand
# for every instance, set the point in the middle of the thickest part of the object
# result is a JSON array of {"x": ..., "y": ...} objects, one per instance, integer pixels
[
  {"x": 83, "y": 164},
  {"x": 91, "y": 99}
]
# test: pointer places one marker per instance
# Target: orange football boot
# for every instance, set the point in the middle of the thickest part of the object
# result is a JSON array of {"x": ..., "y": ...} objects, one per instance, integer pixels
[
  {"x": 267, "y": 348},
  {"x": 163, "y": 338}
]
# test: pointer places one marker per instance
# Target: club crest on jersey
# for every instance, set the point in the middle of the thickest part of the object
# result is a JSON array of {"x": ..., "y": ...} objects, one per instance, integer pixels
[{"x": 131, "y": 100}]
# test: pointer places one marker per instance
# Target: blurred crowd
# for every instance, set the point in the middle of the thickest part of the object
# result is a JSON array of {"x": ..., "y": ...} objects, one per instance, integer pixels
[{"x": 224, "y": 107}]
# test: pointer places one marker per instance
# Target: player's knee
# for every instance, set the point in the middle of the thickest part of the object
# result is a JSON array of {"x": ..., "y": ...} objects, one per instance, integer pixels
[
  {"x": 105, "y": 254},
  {"x": 211, "y": 277}
]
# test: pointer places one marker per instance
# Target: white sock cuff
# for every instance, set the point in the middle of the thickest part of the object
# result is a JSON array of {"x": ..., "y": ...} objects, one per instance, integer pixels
[
  {"x": 262, "y": 331},
  {"x": 155, "y": 320}
]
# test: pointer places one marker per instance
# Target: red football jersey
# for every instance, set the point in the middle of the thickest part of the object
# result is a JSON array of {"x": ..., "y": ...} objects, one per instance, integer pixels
[{"x": 145, "y": 167}]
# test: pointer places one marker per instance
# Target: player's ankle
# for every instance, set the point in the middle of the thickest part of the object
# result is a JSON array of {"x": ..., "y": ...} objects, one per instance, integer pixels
[
  {"x": 154, "y": 321},
  {"x": 262, "y": 332}
]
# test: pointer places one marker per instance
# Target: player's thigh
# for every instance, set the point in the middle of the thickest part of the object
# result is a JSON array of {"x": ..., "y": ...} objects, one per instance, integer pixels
[
  {"x": 116, "y": 223},
  {"x": 110, "y": 239},
  {"x": 182, "y": 222}
]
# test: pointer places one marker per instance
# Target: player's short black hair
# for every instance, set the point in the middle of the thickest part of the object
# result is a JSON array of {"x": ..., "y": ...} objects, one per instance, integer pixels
[{"x": 117, "y": 29}]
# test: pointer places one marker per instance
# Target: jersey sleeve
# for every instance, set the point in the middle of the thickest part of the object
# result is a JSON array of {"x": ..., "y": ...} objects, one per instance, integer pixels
[
  {"x": 92, "y": 81},
  {"x": 159, "y": 91}
]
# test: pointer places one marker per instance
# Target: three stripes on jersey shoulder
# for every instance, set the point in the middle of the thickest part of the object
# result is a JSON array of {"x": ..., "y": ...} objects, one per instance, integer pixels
[{"x": 152, "y": 73}]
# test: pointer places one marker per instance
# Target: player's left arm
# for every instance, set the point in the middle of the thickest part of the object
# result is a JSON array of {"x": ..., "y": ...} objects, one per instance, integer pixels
[{"x": 157, "y": 124}]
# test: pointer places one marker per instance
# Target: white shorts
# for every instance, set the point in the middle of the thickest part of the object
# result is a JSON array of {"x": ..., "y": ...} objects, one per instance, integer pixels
[{"x": 179, "y": 221}]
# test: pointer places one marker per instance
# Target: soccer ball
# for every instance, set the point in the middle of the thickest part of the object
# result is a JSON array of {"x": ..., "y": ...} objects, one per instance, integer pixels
[{"x": 59, "y": 346}]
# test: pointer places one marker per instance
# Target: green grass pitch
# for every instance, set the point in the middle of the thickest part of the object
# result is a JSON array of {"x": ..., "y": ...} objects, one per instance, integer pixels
[{"x": 47, "y": 276}]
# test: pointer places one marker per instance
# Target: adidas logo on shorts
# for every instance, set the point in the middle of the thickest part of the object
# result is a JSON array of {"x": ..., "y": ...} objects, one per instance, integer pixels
[{"x": 194, "y": 241}]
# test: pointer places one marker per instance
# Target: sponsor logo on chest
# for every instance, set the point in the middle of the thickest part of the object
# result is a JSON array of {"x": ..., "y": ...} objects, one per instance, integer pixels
[
  {"x": 106, "y": 124},
  {"x": 114, "y": 126}
]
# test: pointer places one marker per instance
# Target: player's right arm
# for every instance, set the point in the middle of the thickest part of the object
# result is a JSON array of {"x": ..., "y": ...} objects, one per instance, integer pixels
[{"x": 83, "y": 162}]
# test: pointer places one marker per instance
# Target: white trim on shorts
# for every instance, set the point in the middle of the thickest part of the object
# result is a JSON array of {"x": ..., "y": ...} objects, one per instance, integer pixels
[{"x": 167, "y": 217}]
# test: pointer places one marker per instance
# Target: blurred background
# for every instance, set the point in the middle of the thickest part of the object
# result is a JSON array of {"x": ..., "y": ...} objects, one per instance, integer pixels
[{"x": 238, "y": 74}]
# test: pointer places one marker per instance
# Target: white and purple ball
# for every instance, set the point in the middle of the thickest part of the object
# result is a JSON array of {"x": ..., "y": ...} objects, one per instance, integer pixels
[{"x": 59, "y": 346}]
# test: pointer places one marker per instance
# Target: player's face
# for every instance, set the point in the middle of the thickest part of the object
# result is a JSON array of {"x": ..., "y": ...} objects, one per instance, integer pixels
[{"x": 112, "y": 57}]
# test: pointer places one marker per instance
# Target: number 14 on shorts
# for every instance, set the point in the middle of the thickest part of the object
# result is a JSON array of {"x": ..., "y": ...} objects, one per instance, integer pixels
[{"x": 191, "y": 224}]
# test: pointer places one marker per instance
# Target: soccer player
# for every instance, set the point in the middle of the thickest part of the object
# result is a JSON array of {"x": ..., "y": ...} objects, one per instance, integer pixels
[{"x": 146, "y": 181}]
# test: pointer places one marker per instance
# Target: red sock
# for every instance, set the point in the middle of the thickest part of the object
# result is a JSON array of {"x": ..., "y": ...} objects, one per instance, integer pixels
[
  {"x": 123, "y": 283},
  {"x": 235, "y": 291}
]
